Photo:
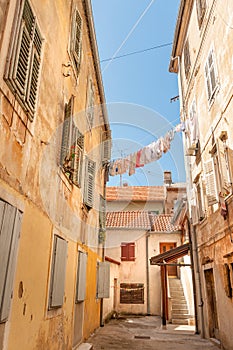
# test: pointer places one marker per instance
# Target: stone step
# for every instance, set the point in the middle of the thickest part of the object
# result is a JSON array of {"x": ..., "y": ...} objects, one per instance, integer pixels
[
  {"x": 85, "y": 346},
  {"x": 178, "y": 321},
  {"x": 179, "y": 302},
  {"x": 180, "y": 311},
  {"x": 179, "y": 316}
]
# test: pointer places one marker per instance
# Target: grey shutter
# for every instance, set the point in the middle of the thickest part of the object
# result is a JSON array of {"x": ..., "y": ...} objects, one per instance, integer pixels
[
  {"x": 77, "y": 157},
  {"x": 89, "y": 183},
  {"x": 224, "y": 167},
  {"x": 106, "y": 149},
  {"x": 81, "y": 277},
  {"x": 58, "y": 272},
  {"x": 66, "y": 131},
  {"x": 35, "y": 68},
  {"x": 193, "y": 207},
  {"x": 211, "y": 186},
  {"x": 76, "y": 39},
  {"x": 103, "y": 280},
  {"x": 10, "y": 223}
]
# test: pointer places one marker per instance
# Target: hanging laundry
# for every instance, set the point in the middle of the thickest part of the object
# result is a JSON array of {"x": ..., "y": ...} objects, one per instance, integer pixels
[
  {"x": 132, "y": 163},
  {"x": 138, "y": 159}
]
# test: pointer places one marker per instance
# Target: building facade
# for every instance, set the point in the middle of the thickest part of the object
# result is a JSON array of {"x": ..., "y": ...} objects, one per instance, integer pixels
[
  {"x": 54, "y": 145},
  {"x": 202, "y": 56}
]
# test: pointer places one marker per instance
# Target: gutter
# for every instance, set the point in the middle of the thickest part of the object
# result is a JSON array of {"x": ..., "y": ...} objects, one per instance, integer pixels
[{"x": 89, "y": 16}]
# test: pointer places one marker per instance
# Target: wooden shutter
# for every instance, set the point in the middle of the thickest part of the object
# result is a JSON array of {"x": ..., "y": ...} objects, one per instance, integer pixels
[
  {"x": 58, "y": 272},
  {"x": 131, "y": 249},
  {"x": 103, "y": 280},
  {"x": 106, "y": 150},
  {"x": 187, "y": 61},
  {"x": 89, "y": 183},
  {"x": 124, "y": 252},
  {"x": 193, "y": 207},
  {"x": 201, "y": 7},
  {"x": 81, "y": 277},
  {"x": 210, "y": 73},
  {"x": 67, "y": 131},
  {"x": 77, "y": 157},
  {"x": 10, "y": 224},
  {"x": 227, "y": 281},
  {"x": 76, "y": 39},
  {"x": 211, "y": 185},
  {"x": 224, "y": 167},
  {"x": 90, "y": 104}
]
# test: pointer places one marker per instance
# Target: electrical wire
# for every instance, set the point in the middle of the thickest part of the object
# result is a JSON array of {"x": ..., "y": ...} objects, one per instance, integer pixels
[{"x": 135, "y": 52}]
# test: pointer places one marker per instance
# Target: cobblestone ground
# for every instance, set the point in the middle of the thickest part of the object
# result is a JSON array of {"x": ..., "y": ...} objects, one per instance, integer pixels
[{"x": 145, "y": 333}]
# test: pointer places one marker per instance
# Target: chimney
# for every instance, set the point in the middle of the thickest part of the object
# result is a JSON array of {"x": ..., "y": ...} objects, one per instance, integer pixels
[{"x": 167, "y": 178}]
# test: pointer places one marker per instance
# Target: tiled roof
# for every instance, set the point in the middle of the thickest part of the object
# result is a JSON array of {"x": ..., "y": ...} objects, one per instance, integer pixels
[
  {"x": 128, "y": 219},
  {"x": 162, "y": 223},
  {"x": 135, "y": 193},
  {"x": 140, "y": 220}
]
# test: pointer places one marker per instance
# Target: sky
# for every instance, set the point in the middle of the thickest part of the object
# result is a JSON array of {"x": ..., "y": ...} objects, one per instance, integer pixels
[{"x": 138, "y": 87}]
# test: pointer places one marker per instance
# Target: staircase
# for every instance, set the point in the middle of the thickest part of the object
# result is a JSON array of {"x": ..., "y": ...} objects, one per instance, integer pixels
[{"x": 180, "y": 313}]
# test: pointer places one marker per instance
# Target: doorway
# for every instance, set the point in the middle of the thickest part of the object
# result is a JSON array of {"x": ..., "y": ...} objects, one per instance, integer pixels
[
  {"x": 211, "y": 304},
  {"x": 164, "y": 247}
]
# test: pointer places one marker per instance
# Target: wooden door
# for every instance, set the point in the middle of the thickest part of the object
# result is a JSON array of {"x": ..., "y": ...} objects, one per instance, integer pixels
[
  {"x": 164, "y": 247},
  {"x": 211, "y": 304}
]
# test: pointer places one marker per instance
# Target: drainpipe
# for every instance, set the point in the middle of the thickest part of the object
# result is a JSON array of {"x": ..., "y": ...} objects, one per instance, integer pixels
[
  {"x": 195, "y": 255},
  {"x": 193, "y": 278},
  {"x": 147, "y": 272}
]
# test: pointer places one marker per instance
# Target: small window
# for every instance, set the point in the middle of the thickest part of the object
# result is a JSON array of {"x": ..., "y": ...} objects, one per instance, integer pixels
[
  {"x": 81, "y": 277},
  {"x": 89, "y": 183},
  {"x": 103, "y": 280},
  {"x": 127, "y": 251},
  {"x": 132, "y": 293},
  {"x": 211, "y": 75},
  {"x": 10, "y": 224},
  {"x": 201, "y": 9},
  {"x": 227, "y": 280},
  {"x": 22, "y": 73},
  {"x": 58, "y": 272},
  {"x": 76, "y": 40},
  {"x": 211, "y": 182},
  {"x": 187, "y": 61},
  {"x": 90, "y": 110},
  {"x": 71, "y": 157}
]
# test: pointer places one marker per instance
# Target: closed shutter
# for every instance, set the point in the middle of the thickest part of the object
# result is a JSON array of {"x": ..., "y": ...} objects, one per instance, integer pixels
[
  {"x": 89, "y": 183},
  {"x": 211, "y": 74},
  {"x": 124, "y": 252},
  {"x": 67, "y": 131},
  {"x": 76, "y": 40},
  {"x": 106, "y": 150},
  {"x": 193, "y": 207},
  {"x": 103, "y": 280},
  {"x": 77, "y": 157},
  {"x": 201, "y": 7},
  {"x": 187, "y": 62},
  {"x": 10, "y": 224},
  {"x": 81, "y": 277},
  {"x": 224, "y": 167},
  {"x": 131, "y": 248},
  {"x": 90, "y": 105},
  {"x": 211, "y": 186},
  {"x": 58, "y": 272}
]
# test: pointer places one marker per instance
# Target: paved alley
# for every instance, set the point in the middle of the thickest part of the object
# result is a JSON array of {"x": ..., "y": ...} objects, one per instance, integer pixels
[{"x": 146, "y": 333}]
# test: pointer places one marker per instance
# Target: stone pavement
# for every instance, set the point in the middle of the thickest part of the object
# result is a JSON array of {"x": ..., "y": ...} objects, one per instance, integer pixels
[{"x": 145, "y": 333}]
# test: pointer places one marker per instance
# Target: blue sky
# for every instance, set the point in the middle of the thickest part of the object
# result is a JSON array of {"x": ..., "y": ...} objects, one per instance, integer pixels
[{"x": 138, "y": 88}]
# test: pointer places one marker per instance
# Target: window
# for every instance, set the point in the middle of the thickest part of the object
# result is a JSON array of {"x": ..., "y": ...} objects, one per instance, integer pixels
[
  {"x": 201, "y": 8},
  {"x": 89, "y": 183},
  {"x": 81, "y": 277},
  {"x": 90, "y": 104},
  {"x": 211, "y": 75},
  {"x": 106, "y": 146},
  {"x": 10, "y": 224},
  {"x": 187, "y": 61},
  {"x": 103, "y": 280},
  {"x": 217, "y": 173},
  {"x": 71, "y": 157},
  {"x": 227, "y": 280},
  {"x": 76, "y": 40},
  {"x": 58, "y": 272},
  {"x": 127, "y": 251},
  {"x": 132, "y": 293},
  {"x": 22, "y": 71}
]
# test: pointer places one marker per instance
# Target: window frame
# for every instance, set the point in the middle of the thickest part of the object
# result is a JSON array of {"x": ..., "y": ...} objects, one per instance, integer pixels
[
  {"x": 90, "y": 104},
  {"x": 75, "y": 46},
  {"x": 211, "y": 74},
  {"x": 201, "y": 10},
  {"x": 125, "y": 249},
  {"x": 22, "y": 73}
]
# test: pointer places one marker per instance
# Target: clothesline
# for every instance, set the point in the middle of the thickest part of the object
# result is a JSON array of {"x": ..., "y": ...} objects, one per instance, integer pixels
[{"x": 145, "y": 155}]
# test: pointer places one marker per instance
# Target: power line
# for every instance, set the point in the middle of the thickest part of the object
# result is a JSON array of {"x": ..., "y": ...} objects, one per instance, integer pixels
[{"x": 136, "y": 52}]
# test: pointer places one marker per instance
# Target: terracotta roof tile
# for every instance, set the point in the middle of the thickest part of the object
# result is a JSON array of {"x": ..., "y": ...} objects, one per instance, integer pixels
[
  {"x": 135, "y": 193},
  {"x": 128, "y": 219},
  {"x": 162, "y": 223}
]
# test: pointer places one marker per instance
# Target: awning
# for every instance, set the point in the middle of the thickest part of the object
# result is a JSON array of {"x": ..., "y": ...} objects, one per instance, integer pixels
[{"x": 170, "y": 255}]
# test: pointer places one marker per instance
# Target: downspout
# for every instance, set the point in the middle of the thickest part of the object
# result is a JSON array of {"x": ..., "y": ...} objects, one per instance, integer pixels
[
  {"x": 147, "y": 272},
  {"x": 193, "y": 278}
]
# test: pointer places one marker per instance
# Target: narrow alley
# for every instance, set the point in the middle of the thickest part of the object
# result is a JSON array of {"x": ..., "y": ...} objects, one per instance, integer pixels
[{"x": 136, "y": 333}]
